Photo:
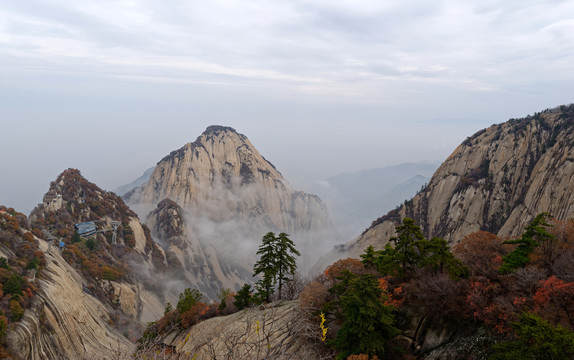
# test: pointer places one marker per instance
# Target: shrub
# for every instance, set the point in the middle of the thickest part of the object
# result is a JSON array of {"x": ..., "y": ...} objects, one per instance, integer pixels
[
  {"x": 33, "y": 264},
  {"x": 14, "y": 285},
  {"x": 243, "y": 297},
  {"x": 4, "y": 263},
  {"x": 16, "y": 310},
  {"x": 187, "y": 299}
]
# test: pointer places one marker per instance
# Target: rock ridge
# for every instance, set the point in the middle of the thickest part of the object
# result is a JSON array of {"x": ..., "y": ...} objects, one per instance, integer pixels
[{"x": 497, "y": 180}]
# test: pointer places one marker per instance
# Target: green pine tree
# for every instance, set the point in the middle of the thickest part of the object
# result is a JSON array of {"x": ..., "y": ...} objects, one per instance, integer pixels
[
  {"x": 534, "y": 234},
  {"x": 536, "y": 339},
  {"x": 276, "y": 263},
  {"x": 266, "y": 266},
  {"x": 187, "y": 299},
  {"x": 367, "y": 321},
  {"x": 243, "y": 297},
  {"x": 285, "y": 260},
  {"x": 368, "y": 258},
  {"x": 436, "y": 255},
  {"x": 408, "y": 236}
]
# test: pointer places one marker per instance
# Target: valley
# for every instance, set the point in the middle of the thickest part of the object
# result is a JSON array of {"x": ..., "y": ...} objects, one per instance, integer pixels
[{"x": 487, "y": 237}]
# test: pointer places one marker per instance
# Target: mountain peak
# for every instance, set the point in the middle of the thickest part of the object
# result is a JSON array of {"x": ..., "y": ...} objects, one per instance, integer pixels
[
  {"x": 216, "y": 129},
  {"x": 495, "y": 181}
]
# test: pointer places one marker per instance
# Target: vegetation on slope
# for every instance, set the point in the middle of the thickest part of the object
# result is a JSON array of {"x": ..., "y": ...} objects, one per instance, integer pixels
[
  {"x": 94, "y": 256},
  {"x": 425, "y": 289},
  {"x": 18, "y": 270}
]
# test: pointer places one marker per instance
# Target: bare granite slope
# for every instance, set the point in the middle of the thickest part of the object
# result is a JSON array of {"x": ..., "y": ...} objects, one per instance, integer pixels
[{"x": 497, "y": 181}]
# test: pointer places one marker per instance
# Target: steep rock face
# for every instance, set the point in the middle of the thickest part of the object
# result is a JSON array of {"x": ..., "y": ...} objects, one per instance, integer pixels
[
  {"x": 223, "y": 197},
  {"x": 96, "y": 291},
  {"x": 191, "y": 261},
  {"x": 497, "y": 181},
  {"x": 220, "y": 176},
  {"x": 66, "y": 321}
]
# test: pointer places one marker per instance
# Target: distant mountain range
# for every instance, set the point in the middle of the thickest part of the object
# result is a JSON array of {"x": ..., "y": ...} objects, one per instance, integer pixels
[
  {"x": 497, "y": 180},
  {"x": 354, "y": 199},
  {"x": 121, "y": 190}
]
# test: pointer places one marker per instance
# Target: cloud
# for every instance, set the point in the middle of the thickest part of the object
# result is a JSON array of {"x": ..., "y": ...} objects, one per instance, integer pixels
[
  {"x": 304, "y": 42},
  {"x": 142, "y": 66}
]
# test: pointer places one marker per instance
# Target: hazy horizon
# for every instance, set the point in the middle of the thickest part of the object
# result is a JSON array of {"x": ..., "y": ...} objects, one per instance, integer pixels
[{"x": 320, "y": 88}]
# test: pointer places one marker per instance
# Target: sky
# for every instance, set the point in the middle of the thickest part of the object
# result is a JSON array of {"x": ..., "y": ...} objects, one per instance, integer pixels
[{"x": 319, "y": 87}]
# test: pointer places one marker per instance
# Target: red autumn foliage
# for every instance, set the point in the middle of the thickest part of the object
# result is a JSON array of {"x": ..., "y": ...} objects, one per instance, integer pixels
[
  {"x": 555, "y": 300},
  {"x": 488, "y": 304},
  {"x": 482, "y": 253},
  {"x": 394, "y": 294},
  {"x": 355, "y": 266},
  {"x": 193, "y": 315}
]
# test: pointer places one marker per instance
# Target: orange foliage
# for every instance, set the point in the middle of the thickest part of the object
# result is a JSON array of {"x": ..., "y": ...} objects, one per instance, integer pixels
[
  {"x": 167, "y": 321},
  {"x": 555, "y": 298},
  {"x": 29, "y": 237},
  {"x": 490, "y": 308},
  {"x": 110, "y": 273},
  {"x": 355, "y": 266},
  {"x": 393, "y": 299},
  {"x": 362, "y": 357},
  {"x": 313, "y": 296},
  {"x": 193, "y": 315},
  {"x": 482, "y": 253}
]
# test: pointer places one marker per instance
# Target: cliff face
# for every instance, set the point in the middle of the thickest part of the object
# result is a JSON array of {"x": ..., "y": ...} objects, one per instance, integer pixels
[
  {"x": 65, "y": 321},
  {"x": 221, "y": 176},
  {"x": 189, "y": 260},
  {"x": 224, "y": 196},
  {"x": 497, "y": 181},
  {"x": 95, "y": 293}
]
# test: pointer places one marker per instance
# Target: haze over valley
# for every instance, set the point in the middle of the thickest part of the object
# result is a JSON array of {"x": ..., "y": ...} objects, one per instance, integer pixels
[{"x": 349, "y": 180}]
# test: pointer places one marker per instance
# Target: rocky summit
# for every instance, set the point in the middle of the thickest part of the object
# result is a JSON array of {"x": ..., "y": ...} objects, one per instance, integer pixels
[
  {"x": 211, "y": 201},
  {"x": 222, "y": 175}
]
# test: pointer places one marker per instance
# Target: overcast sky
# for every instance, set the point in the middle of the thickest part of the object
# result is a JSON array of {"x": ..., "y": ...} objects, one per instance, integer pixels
[{"x": 320, "y": 87}]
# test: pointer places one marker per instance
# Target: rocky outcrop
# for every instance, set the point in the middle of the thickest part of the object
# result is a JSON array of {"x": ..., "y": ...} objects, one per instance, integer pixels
[
  {"x": 497, "y": 181},
  {"x": 223, "y": 196},
  {"x": 95, "y": 293},
  {"x": 221, "y": 176},
  {"x": 278, "y": 331},
  {"x": 66, "y": 321}
]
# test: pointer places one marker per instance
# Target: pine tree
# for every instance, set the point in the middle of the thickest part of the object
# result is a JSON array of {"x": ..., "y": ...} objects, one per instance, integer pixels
[
  {"x": 408, "y": 235},
  {"x": 285, "y": 262},
  {"x": 368, "y": 258},
  {"x": 367, "y": 321},
  {"x": 536, "y": 339},
  {"x": 187, "y": 299},
  {"x": 243, "y": 297},
  {"x": 276, "y": 262},
  {"x": 266, "y": 267},
  {"x": 535, "y": 234},
  {"x": 436, "y": 255}
]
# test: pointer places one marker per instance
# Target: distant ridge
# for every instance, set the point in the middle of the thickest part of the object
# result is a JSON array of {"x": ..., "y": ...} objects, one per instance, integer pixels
[
  {"x": 121, "y": 190},
  {"x": 497, "y": 180}
]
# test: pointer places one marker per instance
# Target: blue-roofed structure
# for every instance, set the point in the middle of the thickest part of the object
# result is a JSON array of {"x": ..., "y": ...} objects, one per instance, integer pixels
[{"x": 86, "y": 229}]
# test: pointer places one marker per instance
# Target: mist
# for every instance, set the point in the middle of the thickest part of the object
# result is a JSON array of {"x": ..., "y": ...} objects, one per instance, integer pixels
[{"x": 222, "y": 230}]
